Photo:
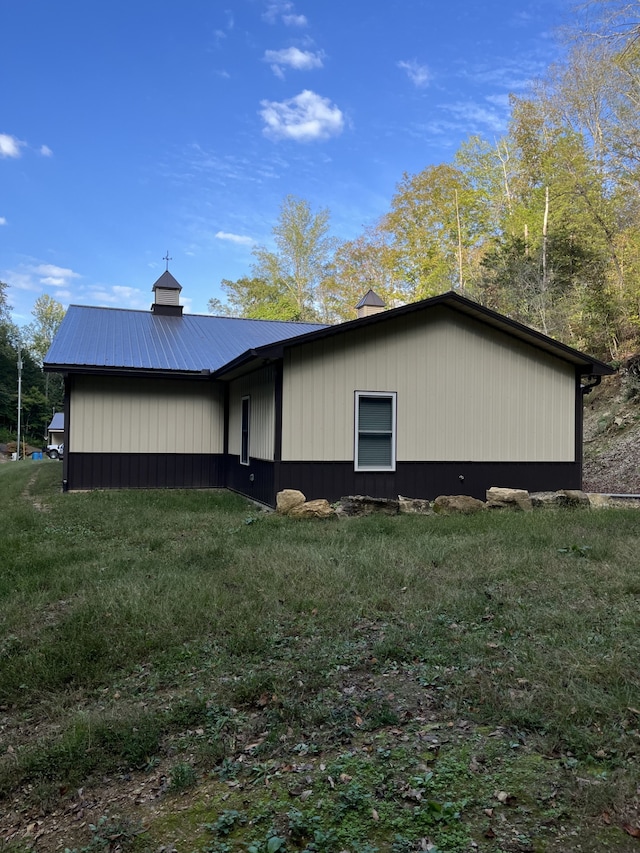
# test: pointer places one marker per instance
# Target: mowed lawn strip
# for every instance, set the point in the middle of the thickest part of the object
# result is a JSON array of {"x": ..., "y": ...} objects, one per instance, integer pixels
[{"x": 193, "y": 631}]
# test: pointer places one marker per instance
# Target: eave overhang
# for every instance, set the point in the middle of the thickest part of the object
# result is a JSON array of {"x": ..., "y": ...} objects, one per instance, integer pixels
[
  {"x": 586, "y": 365},
  {"x": 89, "y": 370}
]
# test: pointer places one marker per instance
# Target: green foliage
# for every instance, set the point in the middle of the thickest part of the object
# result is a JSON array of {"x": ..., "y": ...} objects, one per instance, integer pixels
[
  {"x": 286, "y": 284},
  {"x": 182, "y": 776},
  {"x": 423, "y": 231},
  {"x": 40, "y": 393},
  {"x": 48, "y": 314},
  {"x": 229, "y": 820},
  {"x": 110, "y": 834},
  {"x": 256, "y": 299}
]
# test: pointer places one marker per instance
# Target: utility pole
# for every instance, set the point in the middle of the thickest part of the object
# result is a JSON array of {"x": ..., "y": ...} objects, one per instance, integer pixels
[{"x": 19, "y": 399}]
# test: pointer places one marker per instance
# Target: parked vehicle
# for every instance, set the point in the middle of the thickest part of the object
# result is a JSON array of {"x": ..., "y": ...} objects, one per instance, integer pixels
[{"x": 55, "y": 451}]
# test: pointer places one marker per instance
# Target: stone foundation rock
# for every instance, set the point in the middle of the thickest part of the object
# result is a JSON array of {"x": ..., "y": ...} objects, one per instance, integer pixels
[
  {"x": 287, "y": 499},
  {"x": 312, "y": 509},
  {"x": 457, "y": 504},
  {"x": 354, "y": 505},
  {"x": 414, "y": 506},
  {"x": 503, "y": 498},
  {"x": 562, "y": 498}
]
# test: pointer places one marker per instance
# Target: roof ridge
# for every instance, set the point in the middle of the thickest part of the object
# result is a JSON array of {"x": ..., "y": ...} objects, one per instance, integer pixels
[{"x": 204, "y": 316}]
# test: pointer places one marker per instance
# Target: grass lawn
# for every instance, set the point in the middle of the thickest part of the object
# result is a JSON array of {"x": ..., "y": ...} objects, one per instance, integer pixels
[{"x": 181, "y": 671}]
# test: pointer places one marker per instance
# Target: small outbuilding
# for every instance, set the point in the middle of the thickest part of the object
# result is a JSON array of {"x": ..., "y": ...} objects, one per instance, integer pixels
[
  {"x": 55, "y": 430},
  {"x": 441, "y": 396}
]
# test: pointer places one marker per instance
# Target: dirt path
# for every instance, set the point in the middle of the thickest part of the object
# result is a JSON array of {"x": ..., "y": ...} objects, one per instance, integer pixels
[{"x": 34, "y": 501}]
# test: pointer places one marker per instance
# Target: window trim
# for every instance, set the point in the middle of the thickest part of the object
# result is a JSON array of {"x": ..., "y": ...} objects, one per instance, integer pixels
[
  {"x": 244, "y": 451},
  {"x": 390, "y": 395}
]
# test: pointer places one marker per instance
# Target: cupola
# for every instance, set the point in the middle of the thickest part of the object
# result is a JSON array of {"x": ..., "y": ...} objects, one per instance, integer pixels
[
  {"x": 166, "y": 294},
  {"x": 370, "y": 304}
]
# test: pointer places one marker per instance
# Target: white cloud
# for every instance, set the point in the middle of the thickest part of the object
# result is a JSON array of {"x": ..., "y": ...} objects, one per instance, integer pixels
[
  {"x": 53, "y": 275},
  {"x": 295, "y": 20},
  {"x": 10, "y": 146},
  {"x": 304, "y": 118},
  {"x": 300, "y": 60},
  {"x": 63, "y": 294},
  {"x": 234, "y": 238},
  {"x": 419, "y": 75},
  {"x": 284, "y": 10},
  {"x": 477, "y": 118},
  {"x": 45, "y": 151},
  {"x": 501, "y": 101},
  {"x": 118, "y": 295},
  {"x": 20, "y": 280},
  {"x": 3, "y": 220}
]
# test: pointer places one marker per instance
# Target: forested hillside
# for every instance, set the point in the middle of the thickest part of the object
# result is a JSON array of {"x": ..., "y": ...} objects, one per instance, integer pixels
[
  {"x": 612, "y": 433},
  {"x": 41, "y": 393},
  {"x": 542, "y": 224}
]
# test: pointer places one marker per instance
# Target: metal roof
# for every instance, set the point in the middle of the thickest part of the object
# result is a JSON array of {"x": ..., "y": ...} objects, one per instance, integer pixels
[
  {"x": 371, "y": 300},
  {"x": 115, "y": 338},
  {"x": 167, "y": 282},
  {"x": 57, "y": 422}
]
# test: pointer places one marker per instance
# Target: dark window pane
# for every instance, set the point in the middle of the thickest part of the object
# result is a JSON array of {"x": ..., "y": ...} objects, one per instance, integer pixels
[
  {"x": 374, "y": 451},
  {"x": 375, "y": 414}
]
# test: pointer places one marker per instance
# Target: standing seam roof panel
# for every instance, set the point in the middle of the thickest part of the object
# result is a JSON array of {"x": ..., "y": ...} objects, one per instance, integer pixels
[{"x": 118, "y": 338}]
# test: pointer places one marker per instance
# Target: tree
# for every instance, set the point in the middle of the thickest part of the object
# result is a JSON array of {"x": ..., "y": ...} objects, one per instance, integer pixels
[
  {"x": 256, "y": 299},
  {"x": 4, "y": 306},
  {"x": 422, "y": 231},
  {"x": 358, "y": 266},
  {"x": 48, "y": 315},
  {"x": 287, "y": 283},
  {"x": 8, "y": 361}
]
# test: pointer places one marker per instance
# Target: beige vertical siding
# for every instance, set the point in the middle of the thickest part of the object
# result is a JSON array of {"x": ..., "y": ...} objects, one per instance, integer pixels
[
  {"x": 113, "y": 415},
  {"x": 464, "y": 392},
  {"x": 260, "y": 387}
]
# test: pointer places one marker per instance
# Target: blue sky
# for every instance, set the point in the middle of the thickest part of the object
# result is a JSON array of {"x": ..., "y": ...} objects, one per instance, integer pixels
[{"x": 131, "y": 128}]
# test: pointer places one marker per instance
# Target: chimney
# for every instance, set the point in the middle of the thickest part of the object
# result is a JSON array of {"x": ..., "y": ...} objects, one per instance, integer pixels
[
  {"x": 166, "y": 293},
  {"x": 369, "y": 304}
]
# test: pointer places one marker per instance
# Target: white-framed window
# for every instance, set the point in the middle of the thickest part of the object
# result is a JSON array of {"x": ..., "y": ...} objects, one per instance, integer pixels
[
  {"x": 244, "y": 430},
  {"x": 375, "y": 431}
]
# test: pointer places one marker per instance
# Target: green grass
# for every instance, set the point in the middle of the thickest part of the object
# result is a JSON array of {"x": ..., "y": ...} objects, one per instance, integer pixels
[{"x": 448, "y": 657}]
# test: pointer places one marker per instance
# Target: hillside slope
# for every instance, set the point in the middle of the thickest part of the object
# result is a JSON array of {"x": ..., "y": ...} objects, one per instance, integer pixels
[{"x": 612, "y": 437}]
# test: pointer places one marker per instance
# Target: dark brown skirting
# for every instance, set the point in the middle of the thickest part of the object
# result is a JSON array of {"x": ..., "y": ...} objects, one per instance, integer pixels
[
  {"x": 332, "y": 480},
  {"x": 145, "y": 471},
  {"x": 261, "y": 480},
  {"x": 255, "y": 480}
]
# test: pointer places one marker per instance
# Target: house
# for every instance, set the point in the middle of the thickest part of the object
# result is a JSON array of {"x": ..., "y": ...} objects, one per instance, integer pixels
[
  {"x": 55, "y": 430},
  {"x": 442, "y": 396}
]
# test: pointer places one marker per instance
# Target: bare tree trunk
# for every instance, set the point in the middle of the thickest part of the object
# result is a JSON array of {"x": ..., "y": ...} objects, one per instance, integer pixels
[
  {"x": 504, "y": 159},
  {"x": 545, "y": 273},
  {"x": 461, "y": 285}
]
